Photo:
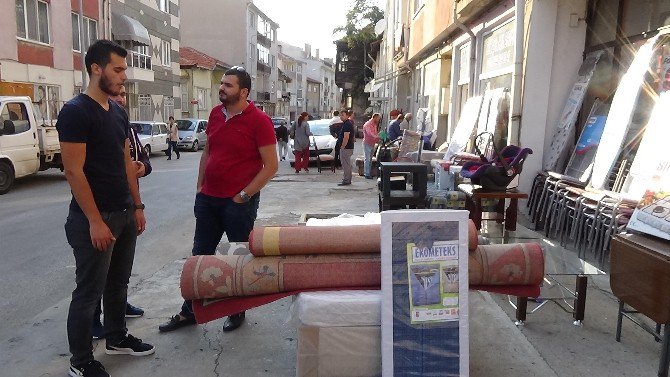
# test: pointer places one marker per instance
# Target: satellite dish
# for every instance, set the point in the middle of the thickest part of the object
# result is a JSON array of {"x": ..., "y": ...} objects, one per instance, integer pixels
[{"x": 380, "y": 26}]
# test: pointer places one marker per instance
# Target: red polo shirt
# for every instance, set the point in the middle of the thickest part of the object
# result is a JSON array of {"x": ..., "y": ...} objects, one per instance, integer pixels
[{"x": 234, "y": 159}]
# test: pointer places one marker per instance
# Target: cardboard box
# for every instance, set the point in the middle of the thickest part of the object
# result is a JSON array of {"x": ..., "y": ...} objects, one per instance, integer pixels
[{"x": 339, "y": 351}]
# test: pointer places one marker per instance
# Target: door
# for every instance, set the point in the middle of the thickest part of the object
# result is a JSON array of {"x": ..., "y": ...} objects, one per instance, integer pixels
[
  {"x": 18, "y": 140},
  {"x": 164, "y": 135},
  {"x": 200, "y": 133}
]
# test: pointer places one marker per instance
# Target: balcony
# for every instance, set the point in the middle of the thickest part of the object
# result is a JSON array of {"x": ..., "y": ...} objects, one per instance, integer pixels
[{"x": 139, "y": 67}]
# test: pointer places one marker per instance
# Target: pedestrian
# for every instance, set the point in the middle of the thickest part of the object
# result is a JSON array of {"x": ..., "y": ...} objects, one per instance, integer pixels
[
  {"x": 335, "y": 127},
  {"x": 106, "y": 213},
  {"x": 239, "y": 159},
  {"x": 141, "y": 161},
  {"x": 300, "y": 133},
  {"x": 281, "y": 132},
  {"x": 346, "y": 142},
  {"x": 394, "y": 130},
  {"x": 370, "y": 138},
  {"x": 405, "y": 124},
  {"x": 173, "y": 138}
]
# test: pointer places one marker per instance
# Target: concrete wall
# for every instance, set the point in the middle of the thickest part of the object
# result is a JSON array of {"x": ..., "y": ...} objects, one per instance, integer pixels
[{"x": 553, "y": 57}]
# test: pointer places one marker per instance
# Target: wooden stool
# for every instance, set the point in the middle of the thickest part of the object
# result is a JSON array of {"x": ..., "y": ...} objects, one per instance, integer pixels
[{"x": 474, "y": 195}]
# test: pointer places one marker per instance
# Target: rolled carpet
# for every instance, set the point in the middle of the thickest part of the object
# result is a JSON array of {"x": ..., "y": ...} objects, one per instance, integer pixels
[
  {"x": 221, "y": 276},
  {"x": 335, "y": 239},
  {"x": 506, "y": 264}
]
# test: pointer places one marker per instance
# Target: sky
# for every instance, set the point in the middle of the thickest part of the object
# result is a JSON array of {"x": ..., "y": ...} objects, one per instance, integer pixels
[{"x": 309, "y": 21}]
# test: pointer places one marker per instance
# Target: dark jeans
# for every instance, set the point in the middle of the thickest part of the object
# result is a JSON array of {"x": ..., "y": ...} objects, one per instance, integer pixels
[
  {"x": 172, "y": 145},
  {"x": 215, "y": 216},
  {"x": 99, "y": 274}
]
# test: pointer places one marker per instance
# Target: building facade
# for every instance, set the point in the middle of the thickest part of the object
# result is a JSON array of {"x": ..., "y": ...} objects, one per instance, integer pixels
[
  {"x": 40, "y": 49},
  {"x": 149, "y": 30},
  {"x": 237, "y": 32},
  {"x": 200, "y": 81}
]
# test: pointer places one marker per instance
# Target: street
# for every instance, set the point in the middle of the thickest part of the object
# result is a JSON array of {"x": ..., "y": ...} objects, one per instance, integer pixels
[{"x": 37, "y": 272}]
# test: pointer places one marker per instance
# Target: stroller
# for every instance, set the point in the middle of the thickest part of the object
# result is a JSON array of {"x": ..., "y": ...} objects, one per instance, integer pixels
[{"x": 497, "y": 172}]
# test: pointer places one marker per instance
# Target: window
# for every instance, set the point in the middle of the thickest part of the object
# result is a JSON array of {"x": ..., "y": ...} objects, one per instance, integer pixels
[
  {"x": 263, "y": 54},
  {"x": 252, "y": 20},
  {"x": 90, "y": 29},
  {"x": 47, "y": 101},
  {"x": 18, "y": 115},
  {"x": 165, "y": 53},
  {"x": 418, "y": 4},
  {"x": 168, "y": 107},
  {"x": 164, "y": 6},
  {"x": 299, "y": 68},
  {"x": 144, "y": 104},
  {"x": 202, "y": 98},
  {"x": 32, "y": 20},
  {"x": 184, "y": 99},
  {"x": 163, "y": 128}
]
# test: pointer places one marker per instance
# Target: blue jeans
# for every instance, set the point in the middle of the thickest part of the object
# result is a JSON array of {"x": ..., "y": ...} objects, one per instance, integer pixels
[
  {"x": 214, "y": 217},
  {"x": 99, "y": 274},
  {"x": 367, "y": 162}
]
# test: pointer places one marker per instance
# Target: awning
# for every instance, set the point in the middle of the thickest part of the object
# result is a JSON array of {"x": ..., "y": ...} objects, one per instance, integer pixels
[{"x": 125, "y": 28}]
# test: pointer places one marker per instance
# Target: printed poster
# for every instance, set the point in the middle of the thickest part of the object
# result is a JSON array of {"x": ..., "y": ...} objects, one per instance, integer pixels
[
  {"x": 433, "y": 282},
  {"x": 425, "y": 293}
]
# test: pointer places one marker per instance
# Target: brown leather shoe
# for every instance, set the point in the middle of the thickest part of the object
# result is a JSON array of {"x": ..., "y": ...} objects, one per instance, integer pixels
[{"x": 233, "y": 321}]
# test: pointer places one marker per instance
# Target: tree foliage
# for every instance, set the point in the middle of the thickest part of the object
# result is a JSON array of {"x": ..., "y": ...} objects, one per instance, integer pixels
[
  {"x": 358, "y": 34},
  {"x": 361, "y": 20}
]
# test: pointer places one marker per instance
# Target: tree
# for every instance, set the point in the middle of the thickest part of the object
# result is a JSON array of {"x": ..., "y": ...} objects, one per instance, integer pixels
[{"x": 358, "y": 35}]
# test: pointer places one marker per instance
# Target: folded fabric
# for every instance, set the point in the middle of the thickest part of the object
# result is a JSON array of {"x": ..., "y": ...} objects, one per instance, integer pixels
[
  {"x": 207, "y": 310},
  {"x": 299, "y": 240},
  {"x": 221, "y": 276}
]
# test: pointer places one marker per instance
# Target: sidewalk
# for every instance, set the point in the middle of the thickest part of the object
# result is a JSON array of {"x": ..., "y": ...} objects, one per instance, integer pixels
[{"x": 548, "y": 345}]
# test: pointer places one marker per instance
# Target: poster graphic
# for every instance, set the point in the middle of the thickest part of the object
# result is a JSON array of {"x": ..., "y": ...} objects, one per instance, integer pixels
[{"x": 433, "y": 282}]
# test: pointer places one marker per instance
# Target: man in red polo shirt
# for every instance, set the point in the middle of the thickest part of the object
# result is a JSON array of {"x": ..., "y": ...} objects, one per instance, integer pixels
[{"x": 238, "y": 160}]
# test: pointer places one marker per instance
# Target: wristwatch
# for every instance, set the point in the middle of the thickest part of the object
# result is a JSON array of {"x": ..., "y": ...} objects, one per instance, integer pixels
[
  {"x": 140, "y": 206},
  {"x": 244, "y": 196}
]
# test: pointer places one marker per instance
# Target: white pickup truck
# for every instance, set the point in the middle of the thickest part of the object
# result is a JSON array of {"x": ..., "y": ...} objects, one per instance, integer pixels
[{"x": 26, "y": 146}]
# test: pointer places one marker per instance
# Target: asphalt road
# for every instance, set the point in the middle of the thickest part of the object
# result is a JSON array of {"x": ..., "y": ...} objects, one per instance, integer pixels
[{"x": 37, "y": 269}]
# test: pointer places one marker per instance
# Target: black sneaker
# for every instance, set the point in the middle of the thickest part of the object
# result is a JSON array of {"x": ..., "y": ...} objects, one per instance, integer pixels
[
  {"x": 98, "y": 330},
  {"x": 176, "y": 322},
  {"x": 130, "y": 346},
  {"x": 133, "y": 311},
  {"x": 91, "y": 369}
]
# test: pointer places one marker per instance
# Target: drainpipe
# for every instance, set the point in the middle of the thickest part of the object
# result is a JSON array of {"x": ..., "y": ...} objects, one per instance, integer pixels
[
  {"x": 473, "y": 50},
  {"x": 81, "y": 47},
  {"x": 514, "y": 131}
]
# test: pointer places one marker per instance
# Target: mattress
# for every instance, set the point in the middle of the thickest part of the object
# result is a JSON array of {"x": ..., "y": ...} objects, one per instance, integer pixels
[{"x": 338, "y": 308}]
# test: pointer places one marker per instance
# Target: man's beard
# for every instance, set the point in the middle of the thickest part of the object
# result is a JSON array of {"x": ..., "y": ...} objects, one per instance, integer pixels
[
  {"x": 106, "y": 86},
  {"x": 230, "y": 99}
]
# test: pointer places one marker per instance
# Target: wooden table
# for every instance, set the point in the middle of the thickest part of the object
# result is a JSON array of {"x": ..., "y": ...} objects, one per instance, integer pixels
[
  {"x": 640, "y": 278},
  {"x": 474, "y": 195}
]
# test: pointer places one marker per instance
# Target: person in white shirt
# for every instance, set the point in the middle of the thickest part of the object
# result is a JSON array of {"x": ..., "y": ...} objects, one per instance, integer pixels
[{"x": 173, "y": 138}]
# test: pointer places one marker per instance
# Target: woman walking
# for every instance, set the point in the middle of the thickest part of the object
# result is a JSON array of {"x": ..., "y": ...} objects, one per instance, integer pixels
[{"x": 300, "y": 133}]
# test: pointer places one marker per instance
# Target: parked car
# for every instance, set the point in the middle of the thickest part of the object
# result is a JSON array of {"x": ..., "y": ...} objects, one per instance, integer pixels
[
  {"x": 192, "y": 133},
  {"x": 27, "y": 145},
  {"x": 325, "y": 142},
  {"x": 152, "y": 135}
]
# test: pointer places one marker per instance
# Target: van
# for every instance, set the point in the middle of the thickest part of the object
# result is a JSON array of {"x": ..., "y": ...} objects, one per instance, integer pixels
[{"x": 192, "y": 134}]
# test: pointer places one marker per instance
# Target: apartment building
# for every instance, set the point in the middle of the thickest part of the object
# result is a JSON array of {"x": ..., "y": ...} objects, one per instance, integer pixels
[
  {"x": 40, "y": 49},
  {"x": 237, "y": 32}
]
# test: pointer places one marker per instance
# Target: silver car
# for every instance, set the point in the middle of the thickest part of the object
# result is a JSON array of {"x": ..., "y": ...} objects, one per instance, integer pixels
[{"x": 192, "y": 133}]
